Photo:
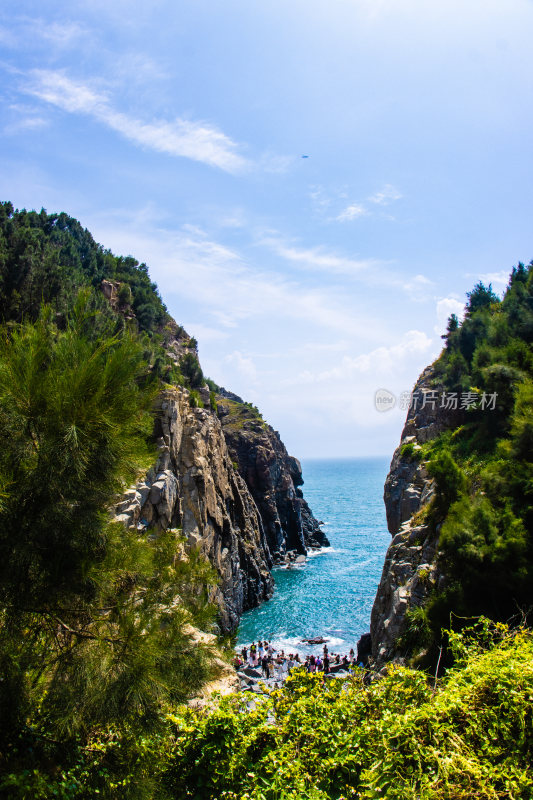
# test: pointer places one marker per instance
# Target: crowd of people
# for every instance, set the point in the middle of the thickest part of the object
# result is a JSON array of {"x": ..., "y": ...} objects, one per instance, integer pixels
[{"x": 272, "y": 663}]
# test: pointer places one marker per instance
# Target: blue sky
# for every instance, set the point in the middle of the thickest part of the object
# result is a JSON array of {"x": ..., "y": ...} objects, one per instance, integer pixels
[{"x": 175, "y": 132}]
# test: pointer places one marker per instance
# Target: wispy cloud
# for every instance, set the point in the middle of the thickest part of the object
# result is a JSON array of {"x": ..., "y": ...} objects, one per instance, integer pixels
[
  {"x": 498, "y": 279},
  {"x": 384, "y": 360},
  {"x": 386, "y": 196},
  {"x": 60, "y": 34},
  {"x": 230, "y": 289},
  {"x": 243, "y": 364},
  {"x": 56, "y": 36},
  {"x": 195, "y": 140},
  {"x": 417, "y": 287},
  {"x": 352, "y": 211},
  {"x": 26, "y": 118},
  {"x": 317, "y": 258}
]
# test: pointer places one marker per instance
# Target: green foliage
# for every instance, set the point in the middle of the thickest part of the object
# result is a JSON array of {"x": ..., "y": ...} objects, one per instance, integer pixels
[
  {"x": 406, "y": 736},
  {"x": 470, "y": 736},
  {"x": 242, "y": 416},
  {"x": 74, "y": 420},
  {"x": 410, "y": 452},
  {"x": 483, "y": 468},
  {"x": 480, "y": 297},
  {"x": 450, "y": 481},
  {"x": 191, "y": 371},
  {"x": 417, "y": 633},
  {"x": 48, "y": 257},
  {"x": 94, "y": 619},
  {"x": 195, "y": 401},
  {"x": 125, "y": 296}
]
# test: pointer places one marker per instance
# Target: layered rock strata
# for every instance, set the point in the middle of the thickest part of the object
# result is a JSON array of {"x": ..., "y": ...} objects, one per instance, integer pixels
[{"x": 410, "y": 570}]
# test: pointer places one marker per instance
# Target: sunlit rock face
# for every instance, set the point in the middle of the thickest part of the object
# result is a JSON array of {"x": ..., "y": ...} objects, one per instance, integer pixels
[{"x": 195, "y": 489}]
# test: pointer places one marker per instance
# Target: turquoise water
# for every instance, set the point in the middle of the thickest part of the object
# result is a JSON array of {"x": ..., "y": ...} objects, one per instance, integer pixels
[{"x": 332, "y": 594}]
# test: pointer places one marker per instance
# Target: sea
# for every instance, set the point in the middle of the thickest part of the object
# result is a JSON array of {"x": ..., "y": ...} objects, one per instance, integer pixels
[{"x": 331, "y": 595}]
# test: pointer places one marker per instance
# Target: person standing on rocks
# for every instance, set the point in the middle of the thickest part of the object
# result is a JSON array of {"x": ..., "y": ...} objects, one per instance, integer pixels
[{"x": 264, "y": 666}]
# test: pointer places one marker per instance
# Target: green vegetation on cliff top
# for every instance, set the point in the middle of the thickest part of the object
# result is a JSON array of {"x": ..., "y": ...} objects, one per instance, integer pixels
[{"x": 483, "y": 467}]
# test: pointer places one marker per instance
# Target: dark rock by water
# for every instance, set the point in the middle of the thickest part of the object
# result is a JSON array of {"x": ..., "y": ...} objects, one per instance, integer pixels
[{"x": 274, "y": 479}]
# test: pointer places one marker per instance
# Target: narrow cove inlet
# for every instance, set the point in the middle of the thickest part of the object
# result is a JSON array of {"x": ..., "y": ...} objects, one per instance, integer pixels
[{"x": 331, "y": 595}]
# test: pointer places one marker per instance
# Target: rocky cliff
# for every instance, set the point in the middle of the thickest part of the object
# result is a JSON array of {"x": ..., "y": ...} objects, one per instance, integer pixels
[
  {"x": 410, "y": 570},
  {"x": 223, "y": 477},
  {"x": 273, "y": 477},
  {"x": 225, "y": 481},
  {"x": 195, "y": 488}
]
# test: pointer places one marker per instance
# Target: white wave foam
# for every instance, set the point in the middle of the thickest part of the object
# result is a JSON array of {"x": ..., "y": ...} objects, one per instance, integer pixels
[
  {"x": 294, "y": 644},
  {"x": 324, "y": 551}
]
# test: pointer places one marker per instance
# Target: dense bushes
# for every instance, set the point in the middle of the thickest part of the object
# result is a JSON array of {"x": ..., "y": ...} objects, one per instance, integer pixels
[
  {"x": 407, "y": 736},
  {"x": 470, "y": 736}
]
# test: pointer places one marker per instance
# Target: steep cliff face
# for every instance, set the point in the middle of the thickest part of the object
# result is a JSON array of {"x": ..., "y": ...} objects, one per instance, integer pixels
[
  {"x": 195, "y": 487},
  {"x": 410, "y": 570},
  {"x": 225, "y": 479},
  {"x": 273, "y": 477}
]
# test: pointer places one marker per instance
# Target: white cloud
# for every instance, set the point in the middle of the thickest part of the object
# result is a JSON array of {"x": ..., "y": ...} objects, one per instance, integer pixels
[
  {"x": 195, "y": 140},
  {"x": 383, "y": 361},
  {"x": 27, "y": 118},
  {"x": 60, "y": 34},
  {"x": 386, "y": 196},
  {"x": 352, "y": 211},
  {"x": 25, "y": 124},
  {"x": 417, "y": 288},
  {"x": 317, "y": 258},
  {"x": 189, "y": 265},
  {"x": 243, "y": 365},
  {"x": 499, "y": 280},
  {"x": 445, "y": 308},
  {"x": 323, "y": 203}
]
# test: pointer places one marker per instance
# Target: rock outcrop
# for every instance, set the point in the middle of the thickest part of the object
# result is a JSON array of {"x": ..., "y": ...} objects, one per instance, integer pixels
[
  {"x": 224, "y": 479},
  {"x": 273, "y": 477},
  {"x": 194, "y": 487},
  {"x": 410, "y": 570}
]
